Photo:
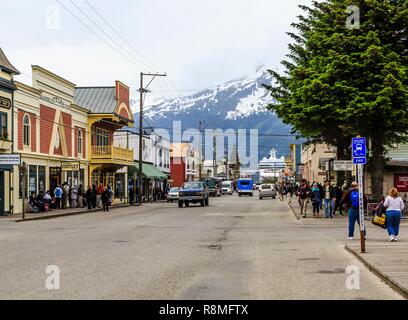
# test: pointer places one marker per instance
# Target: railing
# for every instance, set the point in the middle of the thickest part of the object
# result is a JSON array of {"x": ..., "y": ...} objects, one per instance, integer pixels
[{"x": 112, "y": 153}]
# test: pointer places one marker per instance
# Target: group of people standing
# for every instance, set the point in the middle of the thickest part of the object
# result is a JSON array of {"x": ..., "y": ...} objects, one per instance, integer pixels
[
  {"x": 339, "y": 197},
  {"x": 321, "y": 195},
  {"x": 65, "y": 196}
]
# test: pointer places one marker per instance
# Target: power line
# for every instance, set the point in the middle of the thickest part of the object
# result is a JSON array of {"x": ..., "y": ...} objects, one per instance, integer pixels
[
  {"x": 106, "y": 34},
  {"x": 129, "y": 44},
  {"x": 138, "y": 64}
]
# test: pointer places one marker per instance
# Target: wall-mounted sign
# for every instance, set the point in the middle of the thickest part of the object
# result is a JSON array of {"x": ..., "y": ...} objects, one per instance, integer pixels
[
  {"x": 10, "y": 159},
  {"x": 55, "y": 100},
  {"x": 343, "y": 165},
  {"x": 5, "y": 103},
  {"x": 70, "y": 166},
  {"x": 401, "y": 182}
]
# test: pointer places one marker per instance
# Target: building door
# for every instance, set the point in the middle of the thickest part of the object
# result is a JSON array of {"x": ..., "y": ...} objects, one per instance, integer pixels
[
  {"x": 2, "y": 193},
  {"x": 55, "y": 177}
]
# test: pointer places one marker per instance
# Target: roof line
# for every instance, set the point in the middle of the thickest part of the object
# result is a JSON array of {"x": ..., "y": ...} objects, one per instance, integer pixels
[{"x": 101, "y": 87}]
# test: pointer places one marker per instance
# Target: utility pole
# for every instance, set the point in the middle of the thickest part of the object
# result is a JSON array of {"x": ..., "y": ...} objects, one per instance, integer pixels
[
  {"x": 202, "y": 125},
  {"x": 143, "y": 91},
  {"x": 215, "y": 154}
]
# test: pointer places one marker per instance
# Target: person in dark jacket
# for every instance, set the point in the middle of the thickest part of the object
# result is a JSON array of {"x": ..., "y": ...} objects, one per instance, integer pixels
[
  {"x": 106, "y": 199},
  {"x": 94, "y": 194},
  {"x": 338, "y": 196},
  {"x": 304, "y": 196},
  {"x": 89, "y": 196},
  {"x": 315, "y": 197}
]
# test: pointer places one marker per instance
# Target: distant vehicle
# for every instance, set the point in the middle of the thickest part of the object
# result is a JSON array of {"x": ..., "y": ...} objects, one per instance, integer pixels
[
  {"x": 267, "y": 191},
  {"x": 245, "y": 187},
  {"x": 214, "y": 185},
  {"x": 173, "y": 195},
  {"x": 227, "y": 187},
  {"x": 193, "y": 192}
]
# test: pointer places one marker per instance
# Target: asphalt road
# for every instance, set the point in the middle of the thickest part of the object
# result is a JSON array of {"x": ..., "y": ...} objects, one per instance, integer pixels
[{"x": 238, "y": 248}]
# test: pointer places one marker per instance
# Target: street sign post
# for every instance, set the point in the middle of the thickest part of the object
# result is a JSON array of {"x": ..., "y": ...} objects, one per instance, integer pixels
[{"x": 360, "y": 159}]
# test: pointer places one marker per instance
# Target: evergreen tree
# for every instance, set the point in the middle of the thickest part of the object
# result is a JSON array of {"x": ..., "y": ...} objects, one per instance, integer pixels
[{"x": 347, "y": 75}]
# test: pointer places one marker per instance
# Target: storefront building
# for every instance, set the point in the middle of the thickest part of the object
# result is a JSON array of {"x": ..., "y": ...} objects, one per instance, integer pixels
[
  {"x": 7, "y": 88},
  {"x": 109, "y": 111},
  {"x": 65, "y": 135},
  {"x": 50, "y": 134}
]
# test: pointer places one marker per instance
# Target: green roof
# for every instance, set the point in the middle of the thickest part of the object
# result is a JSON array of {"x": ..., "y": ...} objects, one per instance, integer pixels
[{"x": 148, "y": 171}]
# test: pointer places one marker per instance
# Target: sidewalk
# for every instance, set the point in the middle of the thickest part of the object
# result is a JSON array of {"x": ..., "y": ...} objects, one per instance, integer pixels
[
  {"x": 389, "y": 261},
  {"x": 56, "y": 214}
]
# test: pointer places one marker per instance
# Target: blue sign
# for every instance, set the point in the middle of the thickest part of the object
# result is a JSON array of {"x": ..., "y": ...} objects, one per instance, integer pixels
[
  {"x": 359, "y": 151},
  {"x": 359, "y": 160}
]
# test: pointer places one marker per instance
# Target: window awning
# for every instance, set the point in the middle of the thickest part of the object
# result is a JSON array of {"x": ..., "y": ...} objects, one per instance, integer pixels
[{"x": 148, "y": 170}]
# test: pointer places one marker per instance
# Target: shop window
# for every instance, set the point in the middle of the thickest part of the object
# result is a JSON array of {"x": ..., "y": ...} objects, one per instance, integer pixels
[
  {"x": 41, "y": 179},
  {"x": 32, "y": 179},
  {"x": 82, "y": 177},
  {"x": 3, "y": 126},
  {"x": 26, "y": 130},
  {"x": 79, "y": 143}
]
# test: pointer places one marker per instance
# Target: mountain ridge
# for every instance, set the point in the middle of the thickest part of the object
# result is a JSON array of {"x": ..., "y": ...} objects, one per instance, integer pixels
[{"x": 236, "y": 104}]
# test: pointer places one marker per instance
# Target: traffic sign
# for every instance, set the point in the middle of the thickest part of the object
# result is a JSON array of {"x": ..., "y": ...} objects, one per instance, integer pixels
[
  {"x": 359, "y": 148},
  {"x": 360, "y": 160}
]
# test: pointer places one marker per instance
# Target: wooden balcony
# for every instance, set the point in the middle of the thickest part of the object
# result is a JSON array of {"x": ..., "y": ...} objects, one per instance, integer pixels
[{"x": 107, "y": 154}]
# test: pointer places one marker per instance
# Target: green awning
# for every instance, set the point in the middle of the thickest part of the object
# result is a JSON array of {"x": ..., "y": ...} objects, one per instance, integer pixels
[{"x": 148, "y": 170}]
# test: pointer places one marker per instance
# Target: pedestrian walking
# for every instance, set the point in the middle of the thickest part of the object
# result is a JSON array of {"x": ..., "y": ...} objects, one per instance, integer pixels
[
  {"x": 338, "y": 196},
  {"x": 58, "y": 193},
  {"x": 328, "y": 199},
  {"x": 395, "y": 206},
  {"x": 351, "y": 203},
  {"x": 315, "y": 197},
  {"x": 107, "y": 198},
  {"x": 304, "y": 195}
]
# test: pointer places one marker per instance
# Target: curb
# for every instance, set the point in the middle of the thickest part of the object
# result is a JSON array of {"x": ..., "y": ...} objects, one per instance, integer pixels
[
  {"x": 384, "y": 277},
  {"x": 293, "y": 211},
  {"x": 75, "y": 213}
]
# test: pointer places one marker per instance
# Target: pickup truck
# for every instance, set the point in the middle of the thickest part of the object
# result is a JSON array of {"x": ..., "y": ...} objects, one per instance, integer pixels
[{"x": 193, "y": 192}]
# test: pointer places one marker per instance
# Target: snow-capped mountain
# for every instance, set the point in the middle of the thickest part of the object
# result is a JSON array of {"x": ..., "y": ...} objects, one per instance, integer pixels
[{"x": 238, "y": 104}]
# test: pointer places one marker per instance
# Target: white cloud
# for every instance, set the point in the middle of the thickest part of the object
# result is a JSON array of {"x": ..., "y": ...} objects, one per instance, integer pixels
[{"x": 198, "y": 43}]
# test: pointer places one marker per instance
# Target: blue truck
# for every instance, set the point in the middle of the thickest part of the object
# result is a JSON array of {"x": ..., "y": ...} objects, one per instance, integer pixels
[{"x": 245, "y": 187}]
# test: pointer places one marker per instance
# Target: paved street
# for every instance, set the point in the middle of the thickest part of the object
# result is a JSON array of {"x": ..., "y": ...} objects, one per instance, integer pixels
[{"x": 238, "y": 248}]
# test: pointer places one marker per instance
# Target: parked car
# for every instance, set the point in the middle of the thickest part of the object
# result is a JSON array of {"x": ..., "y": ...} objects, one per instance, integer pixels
[
  {"x": 267, "y": 191},
  {"x": 245, "y": 187},
  {"x": 227, "y": 187},
  {"x": 173, "y": 195},
  {"x": 193, "y": 192}
]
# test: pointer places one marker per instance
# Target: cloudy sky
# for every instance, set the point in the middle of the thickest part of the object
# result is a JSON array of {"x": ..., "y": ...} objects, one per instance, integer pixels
[{"x": 198, "y": 43}]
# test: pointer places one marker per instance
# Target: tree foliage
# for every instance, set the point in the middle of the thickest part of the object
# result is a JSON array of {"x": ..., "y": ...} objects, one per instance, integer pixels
[{"x": 340, "y": 81}]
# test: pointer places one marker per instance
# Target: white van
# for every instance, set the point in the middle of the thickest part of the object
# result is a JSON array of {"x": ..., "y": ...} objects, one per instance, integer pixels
[{"x": 227, "y": 187}]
